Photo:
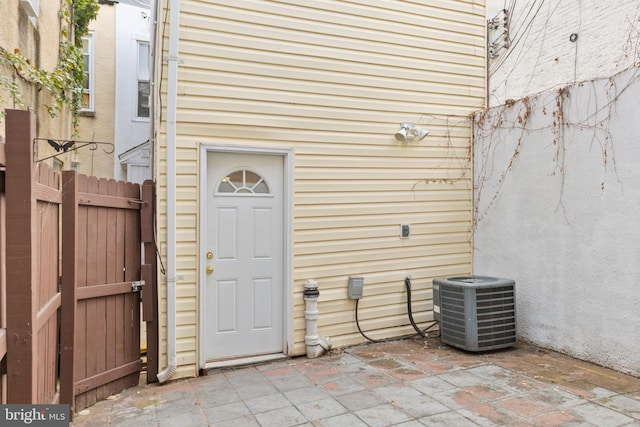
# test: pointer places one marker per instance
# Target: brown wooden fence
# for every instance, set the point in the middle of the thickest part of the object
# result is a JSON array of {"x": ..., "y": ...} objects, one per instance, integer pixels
[
  {"x": 101, "y": 284},
  {"x": 33, "y": 299},
  {"x": 3, "y": 282},
  {"x": 86, "y": 327}
]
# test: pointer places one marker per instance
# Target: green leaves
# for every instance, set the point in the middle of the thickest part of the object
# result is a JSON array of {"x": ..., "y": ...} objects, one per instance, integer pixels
[
  {"x": 65, "y": 82},
  {"x": 84, "y": 11}
]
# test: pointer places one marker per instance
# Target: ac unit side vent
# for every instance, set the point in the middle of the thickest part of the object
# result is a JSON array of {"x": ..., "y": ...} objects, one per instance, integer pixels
[{"x": 476, "y": 313}]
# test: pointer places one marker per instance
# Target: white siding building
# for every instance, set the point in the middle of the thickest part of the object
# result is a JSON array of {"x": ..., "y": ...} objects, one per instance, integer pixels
[
  {"x": 277, "y": 165},
  {"x": 132, "y": 91}
]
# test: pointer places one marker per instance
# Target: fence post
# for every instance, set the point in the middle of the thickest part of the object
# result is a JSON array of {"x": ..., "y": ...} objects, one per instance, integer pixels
[
  {"x": 149, "y": 270},
  {"x": 3, "y": 281},
  {"x": 22, "y": 269},
  {"x": 69, "y": 276}
]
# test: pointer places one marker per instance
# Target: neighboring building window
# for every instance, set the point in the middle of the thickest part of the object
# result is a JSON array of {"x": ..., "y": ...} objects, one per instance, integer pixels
[
  {"x": 57, "y": 165},
  {"x": 88, "y": 51},
  {"x": 144, "y": 87},
  {"x": 243, "y": 181},
  {"x": 31, "y": 7}
]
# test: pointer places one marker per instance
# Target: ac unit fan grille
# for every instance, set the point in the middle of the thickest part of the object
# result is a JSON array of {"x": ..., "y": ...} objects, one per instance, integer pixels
[
  {"x": 479, "y": 318},
  {"x": 496, "y": 310},
  {"x": 453, "y": 328}
]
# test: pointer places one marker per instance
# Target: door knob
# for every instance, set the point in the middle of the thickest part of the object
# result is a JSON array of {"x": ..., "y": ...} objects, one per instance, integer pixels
[{"x": 209, "y": 269}]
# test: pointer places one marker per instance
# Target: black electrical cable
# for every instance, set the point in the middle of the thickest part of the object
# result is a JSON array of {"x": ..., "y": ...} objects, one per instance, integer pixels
[
  {"x": 358, "y": 325},
  {"x": 407, "y": 285},
  {"x": 434, "y": 323},
  {"x": 422, "y": 333}
]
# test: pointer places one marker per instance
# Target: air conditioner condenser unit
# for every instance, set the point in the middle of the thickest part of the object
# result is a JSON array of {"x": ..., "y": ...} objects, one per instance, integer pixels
[{"x": 476, "y": 313}]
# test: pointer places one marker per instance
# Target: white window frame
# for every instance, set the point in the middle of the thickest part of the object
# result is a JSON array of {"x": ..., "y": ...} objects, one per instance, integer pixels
[
  {"x": 90, "y": 37},
  {"x": 141, "y": 77},
  {"x": 31, "y": 8}
]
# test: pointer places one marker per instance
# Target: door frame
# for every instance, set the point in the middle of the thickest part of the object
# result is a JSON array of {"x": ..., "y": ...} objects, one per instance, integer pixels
[{"x": 287, "y": 315}]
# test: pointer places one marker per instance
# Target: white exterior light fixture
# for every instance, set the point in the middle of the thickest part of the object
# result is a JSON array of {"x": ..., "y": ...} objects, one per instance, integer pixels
[{"x": 408, "y": 131}]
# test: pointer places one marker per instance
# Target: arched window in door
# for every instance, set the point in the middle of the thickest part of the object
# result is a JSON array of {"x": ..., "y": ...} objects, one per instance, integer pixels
[{"x": 243, "y": 181}]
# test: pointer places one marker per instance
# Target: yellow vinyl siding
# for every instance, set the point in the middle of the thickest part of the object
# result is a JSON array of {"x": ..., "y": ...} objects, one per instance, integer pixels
[{"x": 331, "y": 81}]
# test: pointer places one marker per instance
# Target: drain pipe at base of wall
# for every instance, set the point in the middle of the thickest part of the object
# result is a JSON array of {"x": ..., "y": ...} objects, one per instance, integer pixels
[
  {"x": 316, "y": 345},
  {"x": 172, "y": 100}
]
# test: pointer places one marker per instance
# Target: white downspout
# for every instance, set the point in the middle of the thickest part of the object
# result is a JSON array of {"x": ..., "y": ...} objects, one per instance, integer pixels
[
  {"x": 153, "y": 61},
  {"x": 172, "y": 95}
]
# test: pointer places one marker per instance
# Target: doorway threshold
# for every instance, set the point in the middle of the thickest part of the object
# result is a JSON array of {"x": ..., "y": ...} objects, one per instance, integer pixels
[{"x": 243, "y": 361}]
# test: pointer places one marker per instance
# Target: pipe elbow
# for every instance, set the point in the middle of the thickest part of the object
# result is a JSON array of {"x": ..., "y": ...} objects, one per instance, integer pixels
[
  {"x": 318, "y": 347},
  {"x": 166, "y": 373}
]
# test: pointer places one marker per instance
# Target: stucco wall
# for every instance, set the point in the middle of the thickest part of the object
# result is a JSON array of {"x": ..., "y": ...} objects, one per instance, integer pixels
[
  {"x": 99, "y": 124},
  {"x": 557, "y": 196},
  {"x": 542, "y": 56},
  {"x": 38, "y": 39}
]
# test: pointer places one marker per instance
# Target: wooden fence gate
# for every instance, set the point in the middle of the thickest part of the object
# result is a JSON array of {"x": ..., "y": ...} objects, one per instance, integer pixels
[
  {"x": 86, "y": 326},
  {"x": 101, "y": 284}
]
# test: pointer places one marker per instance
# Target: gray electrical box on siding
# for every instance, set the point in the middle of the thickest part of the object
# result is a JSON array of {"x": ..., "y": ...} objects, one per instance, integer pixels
[{"x": 355, "y": 287}]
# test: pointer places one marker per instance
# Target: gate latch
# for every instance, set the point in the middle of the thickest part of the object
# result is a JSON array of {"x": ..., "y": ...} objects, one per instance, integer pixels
[{"x": 137, "y": 285}]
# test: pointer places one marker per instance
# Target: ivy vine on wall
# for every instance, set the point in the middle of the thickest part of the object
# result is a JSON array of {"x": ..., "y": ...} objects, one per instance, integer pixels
[{"x": 65, "y": 82}]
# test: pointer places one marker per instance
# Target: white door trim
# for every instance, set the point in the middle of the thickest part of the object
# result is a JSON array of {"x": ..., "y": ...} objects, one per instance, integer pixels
[{"x": 287, "y": 155}]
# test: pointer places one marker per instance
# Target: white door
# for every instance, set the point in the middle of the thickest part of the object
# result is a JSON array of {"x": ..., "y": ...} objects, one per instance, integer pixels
[{"x": 244, "y": 262}]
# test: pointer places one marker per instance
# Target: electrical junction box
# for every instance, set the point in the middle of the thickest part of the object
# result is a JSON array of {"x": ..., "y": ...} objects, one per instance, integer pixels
[
  {"x": 354, "y": 291},
  {"x": 405, "y": 231}
]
